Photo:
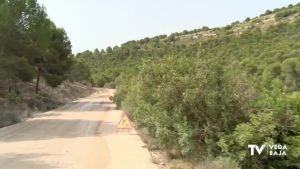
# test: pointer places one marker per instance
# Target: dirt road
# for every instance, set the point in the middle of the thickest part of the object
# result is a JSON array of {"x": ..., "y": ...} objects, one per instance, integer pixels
[{"x": 79, "y": 135}]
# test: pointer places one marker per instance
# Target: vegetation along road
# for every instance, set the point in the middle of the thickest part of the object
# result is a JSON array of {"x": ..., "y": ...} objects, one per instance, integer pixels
[
  {"x": 79, "y": 135},
  {"x": 201, "y": 98}
]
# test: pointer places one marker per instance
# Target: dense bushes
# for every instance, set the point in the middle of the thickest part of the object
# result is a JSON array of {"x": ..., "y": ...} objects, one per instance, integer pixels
[
  {"x": 217, "y": 102},
  {"x": 274, "y": 119},
  {"x": 188, "y": 103},
  {"x": 206, "y": 107},
  {"x": 211, "y": 99},
  {"x": 79, "y": 72},
  {"x": 285, "y": 13}
]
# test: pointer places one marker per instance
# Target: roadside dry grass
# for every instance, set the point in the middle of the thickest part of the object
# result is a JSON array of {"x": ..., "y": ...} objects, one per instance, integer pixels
[
  {"x": 180, "y": 164},
  {"x": 22, "y": 102},
  {"x": 219, "y": 163}
]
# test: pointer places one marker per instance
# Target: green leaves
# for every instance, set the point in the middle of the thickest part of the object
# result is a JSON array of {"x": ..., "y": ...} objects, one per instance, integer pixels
[
  {"x": 291, "y": 73},
  {"x": 212, "y": 95},
  {"x": 273, "y": 121},
  {"x": 31, "y": 44},
  {"x": 16, "y": 67},
  {"x": 79, "y": 72},
  {"x": 185, "y": 102}
]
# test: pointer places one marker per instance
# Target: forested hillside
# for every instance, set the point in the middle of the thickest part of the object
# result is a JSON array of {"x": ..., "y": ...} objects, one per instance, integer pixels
[
  {"x": 33, "y": 50},
  {"x": 208, "y": 93}
]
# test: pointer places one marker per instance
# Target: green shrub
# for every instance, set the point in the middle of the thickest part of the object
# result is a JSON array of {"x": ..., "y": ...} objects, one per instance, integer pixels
[
  {"x": 247, "y": 19},
  {"x": 285, "y": 13},
  {"x": 179, "y": 100},
  {"x": 207, "y": 99},
  {"x": 14, "y": 97},
  {"x": 147, "y": 139},
  {"x": 275, "y": 122},
  {"x": 110, "y": 85},
  {"x": 268, "y": 12}
]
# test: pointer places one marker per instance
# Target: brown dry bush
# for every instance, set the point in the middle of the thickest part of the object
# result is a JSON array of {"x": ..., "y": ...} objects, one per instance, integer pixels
[{"x": 179, "y": 164}]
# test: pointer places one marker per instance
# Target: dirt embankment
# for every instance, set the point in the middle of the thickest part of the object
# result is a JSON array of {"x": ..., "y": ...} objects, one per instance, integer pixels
[{"x": 22, "y": 102}]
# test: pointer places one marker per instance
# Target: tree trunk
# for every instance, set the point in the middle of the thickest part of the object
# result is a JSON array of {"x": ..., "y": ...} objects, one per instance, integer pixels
[
  {"x": 37, "y": 81},
  {"x": 9, "y": 85},
  {"x": 9, "y": 88}
]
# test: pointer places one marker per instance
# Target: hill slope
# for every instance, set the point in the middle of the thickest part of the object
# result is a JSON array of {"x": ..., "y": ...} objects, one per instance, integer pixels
[
  {"x": 107, "y": 64},
  {"x": 23, "y": 103},
  {"x": 211, "y": 92}
]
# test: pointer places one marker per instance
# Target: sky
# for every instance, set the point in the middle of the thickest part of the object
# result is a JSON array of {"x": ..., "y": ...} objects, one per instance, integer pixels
[{"x": 98, "y": 24}]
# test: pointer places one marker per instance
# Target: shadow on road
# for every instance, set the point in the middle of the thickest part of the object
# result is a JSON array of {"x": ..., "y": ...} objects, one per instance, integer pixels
[
  {"x": 86, "y": 106},
  {"x": 73, "y": 120},
  {"x": 46, "y": 129},
  {"x": 27, "y": 161}
]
